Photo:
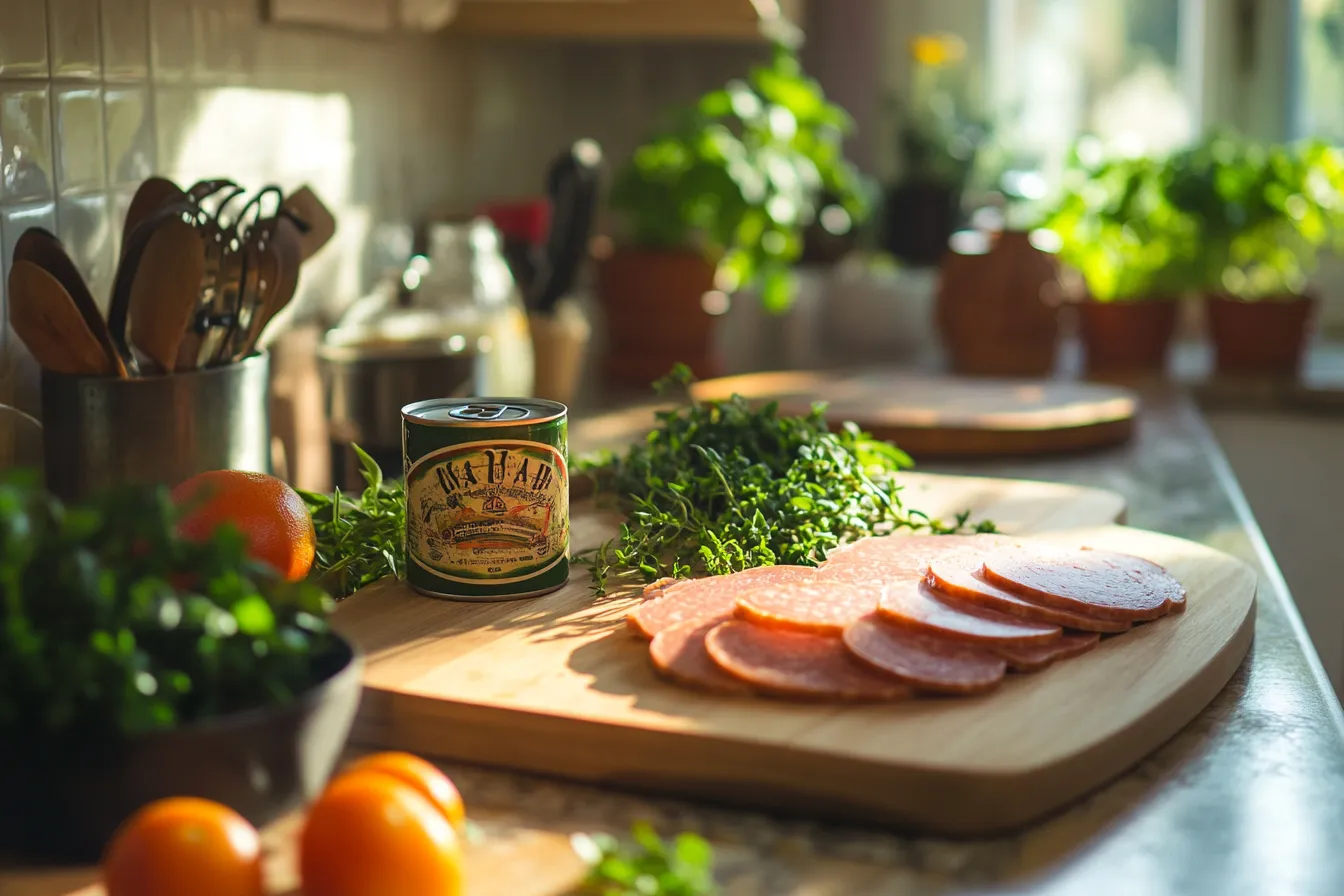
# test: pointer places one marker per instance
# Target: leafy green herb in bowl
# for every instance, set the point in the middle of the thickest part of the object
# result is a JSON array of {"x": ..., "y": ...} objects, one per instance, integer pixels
[
  {"x": 138, "y": 664},
  {"x": 720, "y": 486}
]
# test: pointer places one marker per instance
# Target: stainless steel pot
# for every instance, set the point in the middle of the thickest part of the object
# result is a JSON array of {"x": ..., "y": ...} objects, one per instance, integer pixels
[{"x": 368, "y": 383}]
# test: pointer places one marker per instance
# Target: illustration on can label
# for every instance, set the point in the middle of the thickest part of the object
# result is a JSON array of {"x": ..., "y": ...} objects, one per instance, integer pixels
[{"x": 484, "y": 512}]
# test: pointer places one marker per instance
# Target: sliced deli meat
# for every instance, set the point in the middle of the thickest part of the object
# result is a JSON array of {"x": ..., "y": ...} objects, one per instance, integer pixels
[
  {"x": 913, "y": 604},
  {"x": 924, "y": 662},
  {"x": 679, "y": 653},
  {"x": 817, "y": 605},
  {"x": 1030, "y": 659},
  {"x": 671, "y": 602},
  {"x": 907, "y": 555},
  {"x": 957, "y": 580},
  {"x": 1102, "y": 584},
  {"x": 798, "y": 664}
]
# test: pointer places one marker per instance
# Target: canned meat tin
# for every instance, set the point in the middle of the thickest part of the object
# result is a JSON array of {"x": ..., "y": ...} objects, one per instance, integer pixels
[{"x": 487, "y": 497}]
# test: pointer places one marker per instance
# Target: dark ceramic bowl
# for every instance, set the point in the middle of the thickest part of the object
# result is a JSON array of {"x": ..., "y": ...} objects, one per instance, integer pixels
[{"x": 63, "y": 803}]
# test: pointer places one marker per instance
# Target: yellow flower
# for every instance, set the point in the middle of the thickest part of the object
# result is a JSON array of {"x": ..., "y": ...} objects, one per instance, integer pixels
[{"x": 937, "y": 50}]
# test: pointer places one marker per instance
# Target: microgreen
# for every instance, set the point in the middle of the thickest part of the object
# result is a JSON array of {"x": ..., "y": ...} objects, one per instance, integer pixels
[
  {"x": 649, "y": 866},
  {"x": 721, "y": 486}
]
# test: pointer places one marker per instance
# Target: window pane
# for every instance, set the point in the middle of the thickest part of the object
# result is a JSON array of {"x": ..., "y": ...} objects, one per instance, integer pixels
[
  {"x": 1321, "y": 72},
  {"x": 1107, "y": 67}
]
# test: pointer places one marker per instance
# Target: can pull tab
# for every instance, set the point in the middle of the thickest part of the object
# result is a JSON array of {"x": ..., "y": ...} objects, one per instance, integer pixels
[{"x": 488, "y": 412}]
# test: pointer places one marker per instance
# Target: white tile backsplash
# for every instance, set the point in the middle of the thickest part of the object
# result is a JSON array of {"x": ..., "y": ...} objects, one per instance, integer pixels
[
  {"x": 387, "y": 128},
  {"x": 84, "y": 224},
  {"x": 125, "y": 39},
  {"x": 26, "y": 162},
  {"x": 129, "y": 122},
  {"x": 81, "y": 155},
  {"x": 76, "y": 38},
  {"x": 23, "y": 39}
]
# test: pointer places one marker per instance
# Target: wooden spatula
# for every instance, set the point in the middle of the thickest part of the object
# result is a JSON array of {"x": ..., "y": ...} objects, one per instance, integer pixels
[
  {"x": 150, "y": 196},
  {"x": 286, "y": 257},
  {"x": 321, "y": 224},
  {"x": 165, "y": 291},
  {"x": 42, "y": 248},
  {"x": 45, "y": 317}
]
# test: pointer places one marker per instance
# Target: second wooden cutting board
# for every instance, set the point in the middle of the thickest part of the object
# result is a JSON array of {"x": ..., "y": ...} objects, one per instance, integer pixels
[
  {"x": 557, "y": 685},
  {"x": 934, "y": 416}
]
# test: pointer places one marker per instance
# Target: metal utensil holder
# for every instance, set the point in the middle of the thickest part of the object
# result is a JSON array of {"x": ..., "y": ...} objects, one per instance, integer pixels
[{"x": 100, "y": 432}]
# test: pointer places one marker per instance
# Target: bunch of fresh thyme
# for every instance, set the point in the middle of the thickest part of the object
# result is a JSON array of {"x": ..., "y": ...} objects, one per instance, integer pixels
[
  {"x": 721, "y": 486},
  {"x": 358, "y": 538}
]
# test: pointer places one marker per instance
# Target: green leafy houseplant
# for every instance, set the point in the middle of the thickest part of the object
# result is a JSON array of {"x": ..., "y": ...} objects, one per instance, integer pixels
[
  {"x": 1120, "y": 231},
  {"x": 112, "y": 625},
  {"x": 740, "y": 175},
  {"x": 1264, "y": 212}
]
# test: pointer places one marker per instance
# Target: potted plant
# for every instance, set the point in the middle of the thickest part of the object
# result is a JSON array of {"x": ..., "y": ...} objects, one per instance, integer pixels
[
  {"x": 1133, "y": 250},
  {"x": 717, "y": 204},
  {"x": 939, "y": 143},
  {"x": 139, "y": 665},
  {"x": 1265, "y": 213}
]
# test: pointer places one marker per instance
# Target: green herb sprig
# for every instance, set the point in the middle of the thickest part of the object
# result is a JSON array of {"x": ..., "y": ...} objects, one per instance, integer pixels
[
  {"x": 721, "y": 486},
  {"x": 358, "y": 539},
  {"x": 648, "y": 867},
  {"x": 112, "y": 624}
]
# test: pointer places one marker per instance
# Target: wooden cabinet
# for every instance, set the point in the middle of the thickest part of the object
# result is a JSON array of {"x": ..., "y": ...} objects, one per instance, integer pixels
[
  {"x": 732, "y": 20},
  {"x": 721, "y": 20}
]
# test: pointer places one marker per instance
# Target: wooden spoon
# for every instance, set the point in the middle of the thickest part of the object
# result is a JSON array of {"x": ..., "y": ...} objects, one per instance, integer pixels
[
  {"x": 166, "y": 291},
  {"x": 46, "y": 318},
  {"x": 280, "y": 269},
  {"x": 42, "y": 248},
  {"x": 151, "y": 196},
  {"x": 119, "y": 310}
]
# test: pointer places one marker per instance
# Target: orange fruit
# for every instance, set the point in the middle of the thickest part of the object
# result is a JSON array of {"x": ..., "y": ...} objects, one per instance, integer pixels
[
  {"x": 184, "y": 846},
  {"x": 269, "y": 513},
  {"x": 432, "y": 784},
  {"x": 370, "y": 834}
]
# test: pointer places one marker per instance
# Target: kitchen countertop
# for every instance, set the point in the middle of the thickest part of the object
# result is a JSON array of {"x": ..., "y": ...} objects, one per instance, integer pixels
[{"x": 1247, "y": 799}]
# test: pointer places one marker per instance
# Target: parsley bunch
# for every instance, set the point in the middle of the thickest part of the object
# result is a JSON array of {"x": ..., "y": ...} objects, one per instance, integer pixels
[
  {"x": 112, "y": 624},
  {"x": 721, "y": 486}
]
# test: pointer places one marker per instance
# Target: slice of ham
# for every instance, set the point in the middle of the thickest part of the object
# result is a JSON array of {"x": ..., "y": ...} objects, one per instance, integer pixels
[
  {"x": 1101, "y": 584},
  {"x": 1030, "y": 659},
  {"x": 913, "y": 604},
  {"x": 671, "y": 602},
  {"x": 924, "y": 662},
  {"x": 907, "y": 555},
  {"x": 957, "y": 580},
  {"x": 679, "y": 653},
  {"x": 797, "y": 664},
  {"x": 820, "y": 607}
]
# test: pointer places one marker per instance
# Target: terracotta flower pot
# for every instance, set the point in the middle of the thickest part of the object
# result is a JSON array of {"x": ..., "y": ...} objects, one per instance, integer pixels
[
  {"x": 996, "y": 312},
  {"x": 651, "y": 301},
  {"x": 1264, "y": 337},
  {"x": 1127, "y": 337}
]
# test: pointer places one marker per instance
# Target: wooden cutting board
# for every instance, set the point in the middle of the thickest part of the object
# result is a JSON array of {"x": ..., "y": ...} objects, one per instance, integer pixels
[
  {"x": 931, "y": 416},
  {"x": 557, "y": 685}
]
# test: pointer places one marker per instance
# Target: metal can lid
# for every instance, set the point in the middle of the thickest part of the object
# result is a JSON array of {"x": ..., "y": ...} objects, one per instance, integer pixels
[{"x": 483, "y": 411}]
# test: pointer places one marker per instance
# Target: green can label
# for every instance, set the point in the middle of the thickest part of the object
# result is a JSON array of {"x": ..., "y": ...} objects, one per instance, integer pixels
[{"x": 489, "y": 512}]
